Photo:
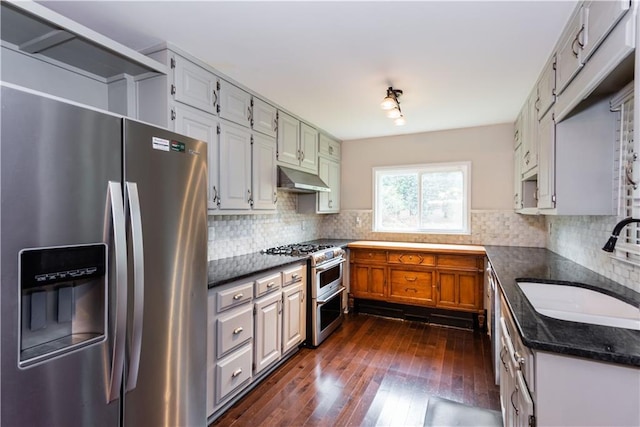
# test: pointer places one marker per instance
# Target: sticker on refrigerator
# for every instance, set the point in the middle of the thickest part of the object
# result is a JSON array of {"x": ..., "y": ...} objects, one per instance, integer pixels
[
  {"x": 177, "y": 146},
  {"x": 160, "y": 144}
]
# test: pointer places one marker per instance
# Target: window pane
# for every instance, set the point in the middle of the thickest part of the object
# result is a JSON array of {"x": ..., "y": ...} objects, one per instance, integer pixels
[
  {"x": 398, "y": 201},
  {"x": 442, "y": 201}
]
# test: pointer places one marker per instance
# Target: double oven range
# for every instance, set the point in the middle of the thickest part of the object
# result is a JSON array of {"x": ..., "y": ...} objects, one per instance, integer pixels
[{"x": 325, "y": 267}]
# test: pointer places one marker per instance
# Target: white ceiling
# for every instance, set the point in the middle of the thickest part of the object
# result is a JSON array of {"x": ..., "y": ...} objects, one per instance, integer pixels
[{"x": 460, "y": 64}]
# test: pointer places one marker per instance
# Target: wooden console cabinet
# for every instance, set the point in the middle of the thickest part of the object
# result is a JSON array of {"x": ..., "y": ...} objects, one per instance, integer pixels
[{"x": 431, "y": 275}]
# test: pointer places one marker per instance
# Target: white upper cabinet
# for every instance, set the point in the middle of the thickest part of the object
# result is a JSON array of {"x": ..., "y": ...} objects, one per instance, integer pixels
[
  {"x": 234, "y": 104},
  {"x": 308, "y": 148},
  {"x": 546, "y": 88},
  {"x": 600, "y": 17},
  {"x": 329, "y": 172},
  {"x": 288, "y": 139},
  {"x": 569, "y": 53},
  {"x": 235, "y": 170},
  {"x": 197, "y": 124},
  {"x": 264, "y": 117},
  {"x": 193, "y": 85},
  {"x": 264, "y": 178},
  {"x": 329, "y": 147},
  {"x": 529, "y": 138},
  {"x": 546, "y": 163}
]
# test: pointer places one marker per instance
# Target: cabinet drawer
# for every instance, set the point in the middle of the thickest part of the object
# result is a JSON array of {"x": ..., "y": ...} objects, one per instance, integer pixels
[
  {"x": 411, "y": 258},
  {"x": 234, "y": 296},
  {"x": 234, "y": 329},
  {"x": 268, "y": 284},
  {"x": 232, "y": 372},
  {"x": 365, "y": 255},
  {"x": 292, "y": 275},
  {"x": 458, "y": 261},
  {"x": 412, "y": 284}
]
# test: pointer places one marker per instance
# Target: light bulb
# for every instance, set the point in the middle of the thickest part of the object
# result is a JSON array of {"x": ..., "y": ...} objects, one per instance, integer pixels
[
  {"x": 388, "y": 103},
  {"x": 394, "y": 113},
  {"x": 400, "y": 121}
]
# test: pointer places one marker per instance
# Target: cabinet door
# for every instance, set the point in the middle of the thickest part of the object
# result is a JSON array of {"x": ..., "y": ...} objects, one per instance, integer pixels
[
  {"x": 517, "y": 179},
  {"x": 292, "y": 317},
  {"x": 288, "y": 139},
  {"x": 263, "y": 117},
  {"x": 368, "y": 281},
  {"x": 469, "y": 291},
  {"x": 264, "y": 178},
  {"x": 328, "y": 147},
  {"x": 193, "y": 85},
  {"x": 308, "y": 148},
  {"x": 546, "y": 166},
  {"x": 202, "y": 126},
  {"x": 235, "y": 166},
  {"x": 600, "y": 18},
  {"x": 234, "y": 103},
  {"x": 546, "y": 88},
  {"x": 525, "y": 412},
  {"x": 268, "y": 333},
  {"x": 530, "y": 141},
  {"x": 447, "y": 290},
  {"x": 507, "y": 386},
  {"x": 569, "y": 54},
  {"x": 329, "y": 172}
]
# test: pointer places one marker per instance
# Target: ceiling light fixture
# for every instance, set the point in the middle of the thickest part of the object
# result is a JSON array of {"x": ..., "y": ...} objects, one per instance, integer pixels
[{"x": 392, "y": 106}]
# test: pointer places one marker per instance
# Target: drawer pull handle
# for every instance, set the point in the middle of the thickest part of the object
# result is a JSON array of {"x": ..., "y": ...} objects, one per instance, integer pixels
[
  {"x": 411, "y": 289},
  {"x": 512, "y": 404},
  {"x": 238, "y": 296},
  {"x": 237, "y": 330},
  {"x": 518, "y": 358},
  {"x": 410, "y": 279},
  {"x": 236, "y": 372},
  {"x": 270, "y": 284},
  {"x": 294, "y": 276}
]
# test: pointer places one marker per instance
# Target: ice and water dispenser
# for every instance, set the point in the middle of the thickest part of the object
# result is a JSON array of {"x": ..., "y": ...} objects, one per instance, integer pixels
[{"x": 62, "y": 300}]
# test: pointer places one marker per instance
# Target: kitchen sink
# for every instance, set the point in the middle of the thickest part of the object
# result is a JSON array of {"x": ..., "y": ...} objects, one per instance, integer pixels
[{"x": 583, "y": 305}]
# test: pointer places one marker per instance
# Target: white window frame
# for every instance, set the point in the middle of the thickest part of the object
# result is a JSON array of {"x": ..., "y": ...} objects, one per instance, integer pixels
[
  {"x": 628, "y": 246},
  {"x": 465, "y": 167}
]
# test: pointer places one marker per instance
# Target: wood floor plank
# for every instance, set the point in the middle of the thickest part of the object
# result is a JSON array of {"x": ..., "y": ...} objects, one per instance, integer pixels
[{"x": 372, "y": 371}]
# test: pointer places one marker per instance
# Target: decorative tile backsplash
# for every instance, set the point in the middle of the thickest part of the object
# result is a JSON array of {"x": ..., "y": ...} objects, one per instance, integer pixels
[
  {"x": 231, "y": 235},
  {"x": 488, "y": 227},
  {"x": 580, "y": 238}
]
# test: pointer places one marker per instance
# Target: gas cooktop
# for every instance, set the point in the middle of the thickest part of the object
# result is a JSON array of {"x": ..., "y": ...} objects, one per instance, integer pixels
[{"x": 297, "y": 249}]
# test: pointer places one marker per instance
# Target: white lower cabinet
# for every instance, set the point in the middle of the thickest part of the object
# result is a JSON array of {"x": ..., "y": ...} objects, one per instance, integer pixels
[
  {"x": 246, "y": 335},
  {"x": 268, "y": 331},
  {"x": 293, "y": 317}
]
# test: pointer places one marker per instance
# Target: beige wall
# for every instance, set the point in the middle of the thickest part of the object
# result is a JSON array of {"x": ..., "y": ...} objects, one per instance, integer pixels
[{"x": 489, "y": 148}]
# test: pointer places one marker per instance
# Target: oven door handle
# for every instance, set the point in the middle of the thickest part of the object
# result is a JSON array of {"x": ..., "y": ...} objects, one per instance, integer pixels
[
  {"x": 330, "y": 297},
  {"x": 329, "y": 265}
]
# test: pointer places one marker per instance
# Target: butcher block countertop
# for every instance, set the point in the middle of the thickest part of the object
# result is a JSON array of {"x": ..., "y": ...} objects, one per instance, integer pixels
[{"x": 421, "y": 247}]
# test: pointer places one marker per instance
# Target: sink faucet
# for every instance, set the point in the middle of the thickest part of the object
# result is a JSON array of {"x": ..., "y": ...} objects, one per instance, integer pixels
[{"x": 611, "y": 243}]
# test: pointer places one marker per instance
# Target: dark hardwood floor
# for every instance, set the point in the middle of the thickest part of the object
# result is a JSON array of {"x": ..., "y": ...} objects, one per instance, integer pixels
[{"x": 372, "y": 371}]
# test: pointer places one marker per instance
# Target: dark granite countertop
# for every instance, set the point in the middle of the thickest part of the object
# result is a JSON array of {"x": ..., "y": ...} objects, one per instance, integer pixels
[
  {"x": 227, "y": 270},
  {"x": 539, "y": 332}
]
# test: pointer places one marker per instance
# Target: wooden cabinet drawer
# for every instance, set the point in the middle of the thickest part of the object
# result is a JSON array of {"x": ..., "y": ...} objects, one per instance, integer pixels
[
  {"x": 232, "y": 372},
  {"x": 412, "y": 284},
  {"x": 234, "y": 296},
  {"x": 464, "y": 261},
  {"x": 268, "y": 284},
  {"x": 293, "y": 275},
  {"x": 369, "y": 255},
  {"x": 411, "y": 258},
  {"x": 234, "y": 329}
]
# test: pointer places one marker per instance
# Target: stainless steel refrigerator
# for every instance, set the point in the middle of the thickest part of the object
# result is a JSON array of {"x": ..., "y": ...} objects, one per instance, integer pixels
[{"x": 103, "y": 229}]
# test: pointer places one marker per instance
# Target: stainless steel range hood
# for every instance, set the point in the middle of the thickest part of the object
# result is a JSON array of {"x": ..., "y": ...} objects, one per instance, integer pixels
[{"x": 300, "y": 182}]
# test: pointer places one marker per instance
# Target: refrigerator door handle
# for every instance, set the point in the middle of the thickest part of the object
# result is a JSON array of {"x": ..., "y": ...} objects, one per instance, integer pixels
[
  {"x": 135, "y": 218},
  {"x": 115, "y": 212}
]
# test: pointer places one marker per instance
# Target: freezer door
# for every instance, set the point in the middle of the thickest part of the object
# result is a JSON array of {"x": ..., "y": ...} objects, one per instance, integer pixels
[
  {"x": 56, "y": 162},
  {"x": 169, "y": 172}
]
